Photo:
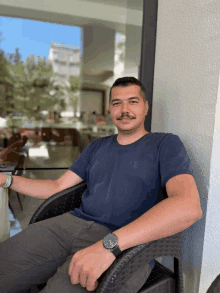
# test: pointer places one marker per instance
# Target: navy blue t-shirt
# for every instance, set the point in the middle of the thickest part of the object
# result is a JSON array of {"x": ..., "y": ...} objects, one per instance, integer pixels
[{"x": 125, "y": 181}]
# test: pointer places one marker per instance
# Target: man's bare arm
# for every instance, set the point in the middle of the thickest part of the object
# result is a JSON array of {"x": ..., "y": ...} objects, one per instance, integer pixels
[
  {"x": 176, "y": 213},
  {"x": 42, "y": 189}
]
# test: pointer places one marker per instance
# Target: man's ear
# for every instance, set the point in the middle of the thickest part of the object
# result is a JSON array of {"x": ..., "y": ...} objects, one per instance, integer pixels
[{"x": 146, "y": 107}]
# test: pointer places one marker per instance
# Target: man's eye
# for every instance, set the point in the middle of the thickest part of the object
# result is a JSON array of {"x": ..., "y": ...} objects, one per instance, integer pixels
[
  {"x": 134, "y": 102},
  {"x": 115, "y": 104}
]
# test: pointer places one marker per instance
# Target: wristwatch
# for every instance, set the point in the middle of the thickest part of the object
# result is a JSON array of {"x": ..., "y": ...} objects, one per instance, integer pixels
[
  {"x": 110, "y": 242},
  {"x": 8, "y": 182}
]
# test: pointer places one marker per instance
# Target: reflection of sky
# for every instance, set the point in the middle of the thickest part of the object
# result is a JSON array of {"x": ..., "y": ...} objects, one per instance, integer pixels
[
  {"x": 39, "y": 152},
  {"x": 34, "y": 37}
]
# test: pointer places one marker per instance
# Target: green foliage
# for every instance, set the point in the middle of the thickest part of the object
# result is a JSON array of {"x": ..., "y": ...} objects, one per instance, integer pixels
[
  {"x": 74, "y": 90},
  {"x": 74, "y": 84},
  {"x": 6, "y": 84},
  {"x": 5, "y": 77},
  {"x": 32, "y": 86},
  {"x": 35, "y": 87}
]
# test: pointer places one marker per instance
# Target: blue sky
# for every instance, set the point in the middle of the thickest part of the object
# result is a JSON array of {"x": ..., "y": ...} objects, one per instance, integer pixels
[{"x": 34, "y": 37}]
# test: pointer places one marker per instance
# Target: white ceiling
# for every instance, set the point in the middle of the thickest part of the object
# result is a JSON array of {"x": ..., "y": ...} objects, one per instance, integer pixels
[
  {"x": 130, "y": 4},
  {"x": 108, "y": 13}
]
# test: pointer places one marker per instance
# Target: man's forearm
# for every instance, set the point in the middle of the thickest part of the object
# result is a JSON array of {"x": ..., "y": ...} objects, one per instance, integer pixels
[
  {"x": 166, "y": 218},
  {"x": 41, "y": 189}
]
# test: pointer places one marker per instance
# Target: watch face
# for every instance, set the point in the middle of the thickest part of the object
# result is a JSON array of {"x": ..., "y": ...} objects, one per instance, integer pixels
[{"x": 110, "y": 241}]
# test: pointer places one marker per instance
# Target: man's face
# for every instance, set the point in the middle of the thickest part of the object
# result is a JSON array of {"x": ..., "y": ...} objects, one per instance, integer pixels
[{"x": 127, "y": 108}]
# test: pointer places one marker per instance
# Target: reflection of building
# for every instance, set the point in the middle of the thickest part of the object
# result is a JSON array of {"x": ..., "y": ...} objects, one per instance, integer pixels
[{"x": 65, "y": 60}]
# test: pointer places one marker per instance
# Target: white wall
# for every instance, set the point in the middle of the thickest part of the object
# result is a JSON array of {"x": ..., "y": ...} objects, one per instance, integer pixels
[
  {"x": 185, "y": 98},
  {"x": 211, "y": 254}
]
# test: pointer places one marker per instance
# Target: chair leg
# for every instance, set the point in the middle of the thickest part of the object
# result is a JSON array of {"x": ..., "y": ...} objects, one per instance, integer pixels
[
  {"x": 176, "y": 274},
  {"x": 10, "y": 207},
  {"x": 9, "y": 204},
  {"x": 19, "y": 199}
]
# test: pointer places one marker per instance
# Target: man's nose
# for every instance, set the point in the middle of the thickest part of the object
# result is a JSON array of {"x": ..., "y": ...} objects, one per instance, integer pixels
[{"x": 125, "y": 107}]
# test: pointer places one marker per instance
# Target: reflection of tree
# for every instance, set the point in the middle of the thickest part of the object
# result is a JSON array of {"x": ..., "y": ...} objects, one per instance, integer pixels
[
  {"x": 6, "y": 84},
  {"x": 74, "y": 89},
  {"x": 28, "y": 87},
  {"x": 36, "y": 87},
  {"x": 14, "y": 58}
]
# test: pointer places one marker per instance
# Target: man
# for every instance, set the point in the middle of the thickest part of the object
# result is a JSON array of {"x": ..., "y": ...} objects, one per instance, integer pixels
[{"x": 140, "y": 187}]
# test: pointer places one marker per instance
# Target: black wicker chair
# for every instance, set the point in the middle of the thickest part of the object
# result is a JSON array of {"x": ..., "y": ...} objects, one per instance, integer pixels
[{"x": 161, "y": 279}]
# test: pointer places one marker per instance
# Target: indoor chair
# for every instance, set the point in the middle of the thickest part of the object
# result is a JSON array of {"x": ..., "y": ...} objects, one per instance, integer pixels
[
  {"x": 58, "y": 134},
  {"x": 74, "y": 134},
  {"x": 161, "y": 279},
  {"x": 18, "y": 172},
  {"x": 46, "y": 133}
]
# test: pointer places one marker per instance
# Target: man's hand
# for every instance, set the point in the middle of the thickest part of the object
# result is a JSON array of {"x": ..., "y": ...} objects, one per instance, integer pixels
[{"x": 88, "y": 264}]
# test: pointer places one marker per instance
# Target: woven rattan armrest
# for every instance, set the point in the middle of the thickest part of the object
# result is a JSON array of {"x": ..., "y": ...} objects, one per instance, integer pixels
[
  {"x": 59, "y": 203},
  {"x": 136, "y": 257}
]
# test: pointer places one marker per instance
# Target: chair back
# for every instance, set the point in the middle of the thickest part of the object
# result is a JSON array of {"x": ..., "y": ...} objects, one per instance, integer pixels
[
  {"x": 74, "y": 134},
  {"x": 46, "y": 134}
]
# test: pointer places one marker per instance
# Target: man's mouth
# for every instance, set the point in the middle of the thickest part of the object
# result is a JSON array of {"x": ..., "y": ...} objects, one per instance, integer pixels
[{"x": 125, "y": 118}]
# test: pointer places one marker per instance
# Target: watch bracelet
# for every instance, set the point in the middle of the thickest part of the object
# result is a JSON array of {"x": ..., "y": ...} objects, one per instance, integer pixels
[{"x": 8, "y": 182}]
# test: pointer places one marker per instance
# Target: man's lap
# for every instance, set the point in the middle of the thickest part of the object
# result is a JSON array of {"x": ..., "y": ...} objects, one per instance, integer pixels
[
  {"x": 33, "y": 255},
  {"x": 60, "y": 281},
  {"x": 42, "y": 252}
]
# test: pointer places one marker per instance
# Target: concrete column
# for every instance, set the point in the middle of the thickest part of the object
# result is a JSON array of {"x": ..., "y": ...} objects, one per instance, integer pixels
[
  {"x": 98, "y": 53},
  {"x": 132, "y": 50},
  {"x": 186, "y": 103}
]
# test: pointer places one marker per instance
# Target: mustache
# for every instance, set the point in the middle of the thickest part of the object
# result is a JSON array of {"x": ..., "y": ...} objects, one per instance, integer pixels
[{"x": 127, "y": 116}]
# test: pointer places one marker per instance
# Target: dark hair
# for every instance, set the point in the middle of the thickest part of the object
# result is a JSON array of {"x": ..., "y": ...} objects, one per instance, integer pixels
[{"x": 127, "y": 81}]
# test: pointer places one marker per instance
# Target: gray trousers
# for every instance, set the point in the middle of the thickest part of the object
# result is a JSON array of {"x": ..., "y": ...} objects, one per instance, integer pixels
[{"x": 42, "y": 252}]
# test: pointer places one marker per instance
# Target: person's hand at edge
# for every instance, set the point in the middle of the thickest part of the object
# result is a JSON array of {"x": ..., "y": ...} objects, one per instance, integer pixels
[{"x": 88, "y": 264}]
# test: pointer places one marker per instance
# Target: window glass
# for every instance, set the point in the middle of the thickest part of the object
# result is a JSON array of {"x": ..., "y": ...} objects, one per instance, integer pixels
[{"x": 55, "y": 79}]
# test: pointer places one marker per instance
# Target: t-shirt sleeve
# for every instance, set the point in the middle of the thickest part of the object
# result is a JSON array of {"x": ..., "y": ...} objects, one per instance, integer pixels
[
  {"x": 173, "y": 158},
  {"x": 80, "y": 165}
]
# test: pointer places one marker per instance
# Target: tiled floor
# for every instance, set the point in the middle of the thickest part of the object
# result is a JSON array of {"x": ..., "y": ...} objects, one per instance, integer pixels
[
  {"x": 52, "y": 156},
  {"x": 15, "y": 226}
]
